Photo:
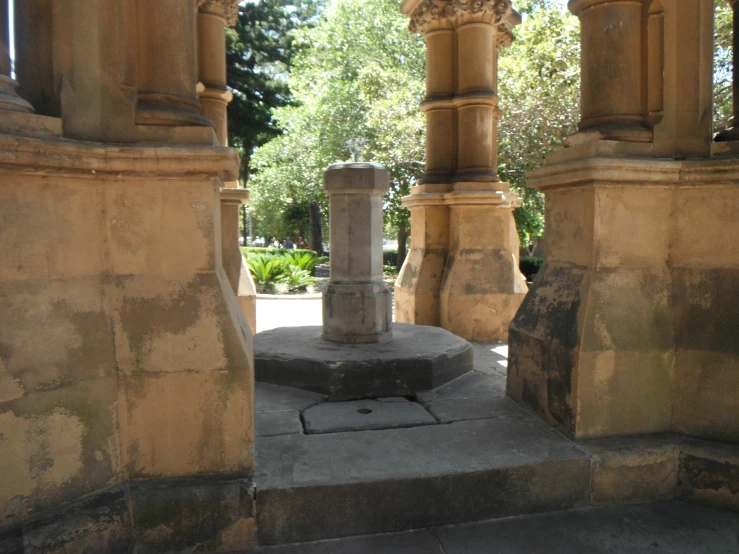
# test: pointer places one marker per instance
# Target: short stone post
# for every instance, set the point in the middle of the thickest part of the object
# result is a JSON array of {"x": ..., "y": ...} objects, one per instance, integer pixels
[{"x": 357, "y": 303}]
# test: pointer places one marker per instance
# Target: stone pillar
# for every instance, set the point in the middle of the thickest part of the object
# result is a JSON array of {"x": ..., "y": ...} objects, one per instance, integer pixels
[
  {"x": 482, "y": 287},
  {"x": 9, "y": 99},
  {"x": 356, "y": 304},
  {"x": 624, "y": 329},
  {"x": 418, "y": 286},
  {"x": 462, "y": 209},
  {"x": 212, "y": 19},
  {"x": 166, "y": 78},
  {"x": 613, "y": 99},
  {"x": 732, "y": 133}
]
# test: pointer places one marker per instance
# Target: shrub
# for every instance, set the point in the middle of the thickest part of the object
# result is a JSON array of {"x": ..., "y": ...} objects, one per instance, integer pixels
[
  {"x": 306, "y": 260},
  {"x": 266, "y": 269},
  {"x": 297, "y": 279},
  {"x": 530, "y": 266},
  {"x": 265, "y": 250},
  {"x": 390, "y": 257}
]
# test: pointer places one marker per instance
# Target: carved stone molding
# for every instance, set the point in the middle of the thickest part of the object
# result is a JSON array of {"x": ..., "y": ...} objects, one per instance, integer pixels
[
  {"x": 227, "y": 9},
  {"x": 432, "y": 14}
]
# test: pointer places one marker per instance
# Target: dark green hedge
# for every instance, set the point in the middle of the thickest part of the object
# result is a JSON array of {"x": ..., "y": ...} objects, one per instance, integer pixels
[
  {"x": 266, "y": 250},
  {"x": 530, "y": 266},
  {"x": 390, "y": 257}
]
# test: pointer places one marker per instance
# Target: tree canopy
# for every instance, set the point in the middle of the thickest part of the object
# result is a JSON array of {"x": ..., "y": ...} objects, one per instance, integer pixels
[{"x": 359, "y": 74}]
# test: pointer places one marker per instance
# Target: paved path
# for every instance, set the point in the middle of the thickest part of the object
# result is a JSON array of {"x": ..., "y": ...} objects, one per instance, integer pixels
[{"x": 288, "y": 311}]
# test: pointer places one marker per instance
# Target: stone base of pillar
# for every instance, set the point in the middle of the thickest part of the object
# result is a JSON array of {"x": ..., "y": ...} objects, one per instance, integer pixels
[
  {"x": 233, "y": 261},
  {"x": 20, "y": 123},
  {"x": 9, "y": 99},
  {"x": 629, "y": 326},
  {"x": 483, "y": 286},
  {"x": 367, "y": 306},
  {"x": 125, "y": 352},
  {"x": 418, "y": 286}
]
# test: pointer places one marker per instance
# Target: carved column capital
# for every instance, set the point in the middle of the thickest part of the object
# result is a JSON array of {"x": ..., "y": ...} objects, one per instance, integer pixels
[
  {"x": 437, "y": 14},
  {"x": 227, "y": 9}
]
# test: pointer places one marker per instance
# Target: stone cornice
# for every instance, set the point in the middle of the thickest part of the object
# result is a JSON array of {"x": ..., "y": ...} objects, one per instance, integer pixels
[
  {"x": 636, "y": 172},
  {"x": 227, "y": 9},
  {"x": 433, "y": 14},
  {"x": 64, "y": 156}
]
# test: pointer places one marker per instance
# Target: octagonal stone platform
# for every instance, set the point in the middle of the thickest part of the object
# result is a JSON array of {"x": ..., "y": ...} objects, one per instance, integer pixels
[{"x": 418, "y": 358}]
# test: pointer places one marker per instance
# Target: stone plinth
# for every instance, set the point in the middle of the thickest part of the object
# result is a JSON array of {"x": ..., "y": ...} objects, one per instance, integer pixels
[
  {"x": 232, "y": 259},
  {"x": 125, "y": 354},
  {"x": 357, "y": 305},
  {"x": 628, "y": 326},
  {"x": 418, "y": 358}
]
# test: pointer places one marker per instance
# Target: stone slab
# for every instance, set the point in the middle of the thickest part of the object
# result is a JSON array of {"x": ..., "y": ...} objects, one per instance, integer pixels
[
  {"x": 411, "y": 542},
  {"x": 271, "y": 424},
  {"x": 418, "y": 358},
  {"x": 400, "y": 479},
  {"x": 273, "y": 398},
  {"x": 448, "y": 411},
  {"x": 361, "y": 415},
  {"x": 674, "y": 527},
  {"x": 491, "y": 357},
  {"x": 471, "y": 385},
  {"x": 708, "y": 472}
]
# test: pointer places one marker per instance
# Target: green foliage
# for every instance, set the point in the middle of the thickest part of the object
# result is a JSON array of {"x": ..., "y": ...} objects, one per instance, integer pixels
[
  {"x": 530, "y": 266},
  {"x": 389, "y": 270},
  {"x": 722, "y": 65},
  {"x": 259, "y": 53},
  {"x": 297, "y": 279},
  {"x": 359, "y": 74},
  {"x": 266, "y": 269},
  {"x": 272, "y": 266},
  {"x": 306, "y": 260},
  {"x": 539, "y": 78},
  {"x": 390, "y": 257},
  {"x": 247, "y": 250}
]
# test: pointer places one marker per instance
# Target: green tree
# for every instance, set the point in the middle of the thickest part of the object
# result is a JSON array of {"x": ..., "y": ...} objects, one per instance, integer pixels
[
  {"x": 723, "y": 65},
  {"x": 259, "y": 53},
  {"x": 539, "y": 88},
  {"x": 359, "y": 74}
]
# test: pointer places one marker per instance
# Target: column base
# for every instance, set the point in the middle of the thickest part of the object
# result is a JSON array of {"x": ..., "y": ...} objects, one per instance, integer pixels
[
  {"x": 483, "y": 286},
  {"x": 232, "y": 259},
  {"x": 357, "y": 313},
  {"x": 628, "y": 327},
  {"x": 9, "y": 99},
  {"x": 418, "y": 286}
]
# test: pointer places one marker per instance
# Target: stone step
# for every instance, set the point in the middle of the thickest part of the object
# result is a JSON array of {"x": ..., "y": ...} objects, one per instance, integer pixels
[
  {"x": 312, "y": 487},
  {"x": 674, "y": 527}
]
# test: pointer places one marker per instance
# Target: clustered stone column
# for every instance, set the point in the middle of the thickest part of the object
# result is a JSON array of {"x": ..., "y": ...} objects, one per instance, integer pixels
[
  {"x": 462, "y": 271},
  {"x": 613, "y": 84},
  {"x": 623, "y": 331},
  {"x": 357, "y": 305},
  {"x": 213, "y": 18},
  {"x": 127, "y": 362},
  {"x": 9, "y": 98}
]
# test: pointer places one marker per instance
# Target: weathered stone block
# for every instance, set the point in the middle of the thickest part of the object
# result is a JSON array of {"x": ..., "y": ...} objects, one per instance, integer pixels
[
  {"x": 633, "y": 470},
  {"x": 709, "y": 473},
  {"x": 215, "y": 514},
  {"x": 418, "y": 358}
]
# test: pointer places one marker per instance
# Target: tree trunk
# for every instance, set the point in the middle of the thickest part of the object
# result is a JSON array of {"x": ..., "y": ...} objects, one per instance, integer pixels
[
  {"x": 403, "y": 233},
  {"x": 316, "y": 228}
]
